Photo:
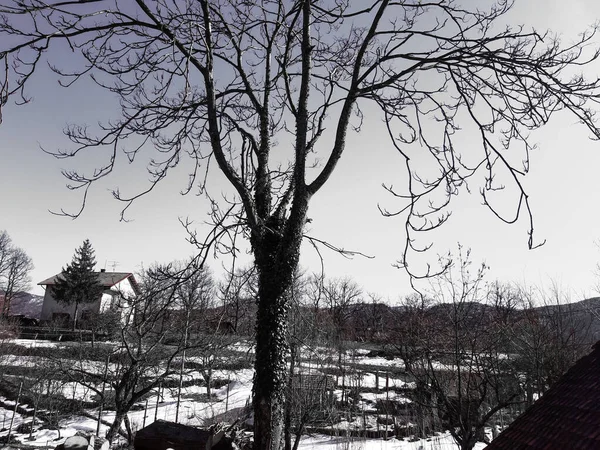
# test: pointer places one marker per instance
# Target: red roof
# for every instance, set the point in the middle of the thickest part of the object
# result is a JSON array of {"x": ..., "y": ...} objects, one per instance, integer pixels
[
  {"x": 567, "y": 416},
  {"x": 106, "y": 279}
]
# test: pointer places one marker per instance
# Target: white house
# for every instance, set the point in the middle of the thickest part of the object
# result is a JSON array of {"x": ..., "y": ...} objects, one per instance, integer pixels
[{"x": 118, "y": 286}]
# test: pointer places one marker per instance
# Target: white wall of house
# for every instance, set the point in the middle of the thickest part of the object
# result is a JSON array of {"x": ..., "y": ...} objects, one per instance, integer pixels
[{"x": 117, "y": 296}]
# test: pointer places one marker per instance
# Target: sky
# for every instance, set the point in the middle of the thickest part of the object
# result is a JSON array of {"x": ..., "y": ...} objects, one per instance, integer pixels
[{"x": 562, "y": 186}]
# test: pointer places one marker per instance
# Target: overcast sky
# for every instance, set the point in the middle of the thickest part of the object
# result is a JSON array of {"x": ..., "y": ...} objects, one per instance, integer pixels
[{"x": 563, "y": 185}]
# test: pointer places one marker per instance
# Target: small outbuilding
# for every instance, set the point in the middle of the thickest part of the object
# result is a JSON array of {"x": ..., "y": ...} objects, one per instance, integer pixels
[{"x": 163, "y": 435}]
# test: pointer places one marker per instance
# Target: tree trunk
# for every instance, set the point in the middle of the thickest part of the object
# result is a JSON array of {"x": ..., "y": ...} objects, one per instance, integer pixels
[
  {"x": 35, "y": 407},
  {"x": 208, "y": 390},
  {"x": 129, "y": 430},
  {"x": 468, "y": 441},
  {"x": 182, "y": 367},
  {"x": 298, "y": 435},
  {"x": 207, "y": 375},
  {"x": 288, "y": 409},
  {"x": 75, "y": 315},
  {"x": 6, "y": 305},
  {"x": 57, "y": 426},
  {"x": 114, "y": 428},
  {"x": 270, "y": 367},
  {"x": 276, "y": 248}
]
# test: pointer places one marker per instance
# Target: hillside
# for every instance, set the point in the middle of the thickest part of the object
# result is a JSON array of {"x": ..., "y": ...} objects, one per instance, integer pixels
[{"x": 26, "y": 304}]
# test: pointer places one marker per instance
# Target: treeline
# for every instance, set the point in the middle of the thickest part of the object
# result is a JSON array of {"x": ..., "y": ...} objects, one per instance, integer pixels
[{"x": 473, "y": 348}]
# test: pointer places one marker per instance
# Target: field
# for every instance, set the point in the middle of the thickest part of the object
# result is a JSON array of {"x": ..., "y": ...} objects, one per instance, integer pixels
[{"x": 367, "y": 405}]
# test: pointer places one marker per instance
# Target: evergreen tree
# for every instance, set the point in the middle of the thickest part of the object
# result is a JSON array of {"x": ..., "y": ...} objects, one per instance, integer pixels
[{"x": 79, "y": 284}]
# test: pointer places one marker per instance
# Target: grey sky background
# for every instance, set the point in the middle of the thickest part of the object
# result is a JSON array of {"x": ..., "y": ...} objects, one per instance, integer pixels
[{"x": 562, "y": 185}]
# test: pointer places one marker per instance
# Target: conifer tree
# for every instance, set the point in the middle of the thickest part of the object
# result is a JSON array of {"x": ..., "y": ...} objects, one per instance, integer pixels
[{"x": 79, "y": 284}]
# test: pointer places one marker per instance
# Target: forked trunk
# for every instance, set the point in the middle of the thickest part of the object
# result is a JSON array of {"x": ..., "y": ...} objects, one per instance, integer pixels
[
  {"x": 113, "y": 431},
  {"x": 276, "y": 248},
  {"x": 469, "y": 439}
]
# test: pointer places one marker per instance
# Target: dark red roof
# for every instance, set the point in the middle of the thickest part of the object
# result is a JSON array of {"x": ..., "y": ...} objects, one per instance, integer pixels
[
  {"x": 106, "y": 279},
  {"x": 567, "y": 416}
]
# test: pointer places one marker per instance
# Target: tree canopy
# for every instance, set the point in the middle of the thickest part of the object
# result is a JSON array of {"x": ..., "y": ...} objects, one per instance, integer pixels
[{"x": 269, "y": 91}]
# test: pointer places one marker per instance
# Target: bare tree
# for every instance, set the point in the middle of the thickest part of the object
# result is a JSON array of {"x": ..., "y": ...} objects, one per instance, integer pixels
[
  {"x": 16, "y": 278},
  {"x": 549, "y": 335},
  {"x": 314, "y": 301},
  {"x": 370, "y": 319},
  {"x": 309, "y": 396},
  {"x": 331, "y": 304},
  {"x": 159, "y": 325},
  {"x": 453, "y": 346},
  {"x": 195, "y": 295},
  {"x": 201, "y": 330},
  {"x": 238, "y": 292},
  {"x": 340, "y": 295},
  {"x": 233, "y": 81},
  {"x": 5, "y": 246},
  {"x": 15, "y": 266}
]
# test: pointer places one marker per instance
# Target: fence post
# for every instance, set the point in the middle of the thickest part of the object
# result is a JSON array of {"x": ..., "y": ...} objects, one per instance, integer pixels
[
  {"x": 145, "y": 414},
  {"x": 227, "y": 397},
  {"x": 157, "y": 401},
  {"x": 387, "y": 403},
  {"x": 14, "y": 414}
]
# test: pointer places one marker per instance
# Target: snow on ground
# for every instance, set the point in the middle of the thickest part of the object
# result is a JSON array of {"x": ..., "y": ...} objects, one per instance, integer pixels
[
  {"x": 370, "y": 380},
  {"x": 40, "y": 361},
  {"x": 378, "y": 361},
  {"x": 77, "y": 391},
  {"x": 6, "y": 416},
  {"x": 241, "y": 346},
  {"x": 35, "y": 343},
  {"x": 443, "y": 442},
  {"x": 230, "y": 398},
  {"x": 43, "y": 438},
  {"x": 374, "y": 396},
  {"x": 226, "y": 403}
]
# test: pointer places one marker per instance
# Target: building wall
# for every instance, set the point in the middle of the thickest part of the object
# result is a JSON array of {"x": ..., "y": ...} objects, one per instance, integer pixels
[
  {"x": 110, "y": 298},
  {"x": 51, "y": 306},
  {"x": 117, "y": 296}
]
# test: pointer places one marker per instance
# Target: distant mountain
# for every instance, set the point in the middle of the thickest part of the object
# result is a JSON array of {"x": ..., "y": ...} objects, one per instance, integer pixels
[
  {"x": 583, "y": 315},
  {"x": 589, "y": 304},
  {"x": 26, "y": 304},
  {"x": 585, "y": 312}
]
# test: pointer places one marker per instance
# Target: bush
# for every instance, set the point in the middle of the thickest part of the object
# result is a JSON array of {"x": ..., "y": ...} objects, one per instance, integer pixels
[{"x": 9, "y": 329}]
